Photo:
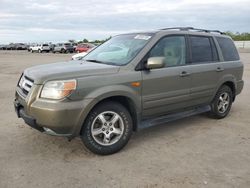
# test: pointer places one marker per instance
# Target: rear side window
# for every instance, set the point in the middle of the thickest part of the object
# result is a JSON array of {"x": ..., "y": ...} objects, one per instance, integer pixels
[
  {"x": 202, "y": 49},
  {"x": 228, "y": 49}
]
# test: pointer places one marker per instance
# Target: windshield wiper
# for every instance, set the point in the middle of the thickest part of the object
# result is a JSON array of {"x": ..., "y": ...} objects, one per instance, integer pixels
[
  {"x": 94, "y": 61},
  {"x": 97, "y": 61}
]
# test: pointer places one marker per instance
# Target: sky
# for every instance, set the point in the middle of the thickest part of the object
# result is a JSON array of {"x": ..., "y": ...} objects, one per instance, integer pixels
[{"x": 61, "y": 20}]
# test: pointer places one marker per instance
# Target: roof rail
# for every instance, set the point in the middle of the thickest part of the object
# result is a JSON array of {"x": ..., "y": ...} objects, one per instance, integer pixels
[{"x": 193, "y": 29}]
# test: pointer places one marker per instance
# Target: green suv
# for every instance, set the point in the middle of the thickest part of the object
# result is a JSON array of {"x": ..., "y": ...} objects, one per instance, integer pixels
[{"x": 131, "y": 82}]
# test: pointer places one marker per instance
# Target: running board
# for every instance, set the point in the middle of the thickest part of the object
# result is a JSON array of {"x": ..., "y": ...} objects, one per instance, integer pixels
[{"x": 172, "y": 117}]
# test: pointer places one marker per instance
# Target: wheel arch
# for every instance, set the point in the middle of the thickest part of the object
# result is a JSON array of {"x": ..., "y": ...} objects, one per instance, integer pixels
[
  {"x": 124, "y": 100},
  {"x": 232, "y": 86},
  {"x": 127, "y": 103},
  {"x": 228, "y": 80}
]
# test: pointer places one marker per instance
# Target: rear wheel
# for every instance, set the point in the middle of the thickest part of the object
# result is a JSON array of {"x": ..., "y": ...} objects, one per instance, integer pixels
[
  {"x": 222, "y": 102},
  {"x": 107, "y": 128}
]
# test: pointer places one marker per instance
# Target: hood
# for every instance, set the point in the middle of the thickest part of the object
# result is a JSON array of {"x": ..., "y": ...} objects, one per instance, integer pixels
[{"x": 68, "y": 70}]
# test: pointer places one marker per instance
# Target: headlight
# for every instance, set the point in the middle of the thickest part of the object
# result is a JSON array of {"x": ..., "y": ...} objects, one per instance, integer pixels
[{"x": 58, "y": 89}]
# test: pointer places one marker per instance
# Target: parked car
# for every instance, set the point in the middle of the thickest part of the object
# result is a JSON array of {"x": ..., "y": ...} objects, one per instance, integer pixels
[
  {"x": 15, "y": 46},
  {"x": 20, "y": 46},
  {"x": 11, "y": 46},
  {"x": 2, "y": 47},
  {"x": 31, "y": 45},
  {"x": 74, "y": 46},
  {"x": 84, "y": 47},
  {"x": 80, "y": 55},
  {"x": 63, "y": 48},
  {"x": 155, "y": 78},
  {"x": 40, "y": 48},
  {"x": 51, "y": 47}
]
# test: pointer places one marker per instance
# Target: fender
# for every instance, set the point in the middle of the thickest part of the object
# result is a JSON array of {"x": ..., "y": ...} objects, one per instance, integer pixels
[
  {"x": 100, "y": 94},
  {"x": 224, "y": 79}
]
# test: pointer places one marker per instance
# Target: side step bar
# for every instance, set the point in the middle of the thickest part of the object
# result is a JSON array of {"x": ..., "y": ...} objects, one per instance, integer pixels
[{"x": 172, "y": 117}]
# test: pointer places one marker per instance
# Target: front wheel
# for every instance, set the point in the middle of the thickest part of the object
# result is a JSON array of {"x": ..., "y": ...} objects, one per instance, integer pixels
[
  {"x": 107, "y": 128},
  {"x": 222, "y": 102}
]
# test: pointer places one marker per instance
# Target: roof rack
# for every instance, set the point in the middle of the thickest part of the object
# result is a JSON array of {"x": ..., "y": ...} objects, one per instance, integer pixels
[{"x": 193, "y": 29}]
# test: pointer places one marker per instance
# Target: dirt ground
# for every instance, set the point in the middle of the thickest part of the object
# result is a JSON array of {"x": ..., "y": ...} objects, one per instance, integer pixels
[{"x": 192, "y": 152}]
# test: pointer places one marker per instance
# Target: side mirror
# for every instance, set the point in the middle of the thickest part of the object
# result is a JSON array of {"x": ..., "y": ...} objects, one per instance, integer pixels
[{"x": 155, "y": 62}]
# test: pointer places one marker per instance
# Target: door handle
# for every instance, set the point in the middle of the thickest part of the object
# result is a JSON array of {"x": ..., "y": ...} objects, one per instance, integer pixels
[
  {"x": 184, "y": 73},
  {"x": 219, "y": 69}
]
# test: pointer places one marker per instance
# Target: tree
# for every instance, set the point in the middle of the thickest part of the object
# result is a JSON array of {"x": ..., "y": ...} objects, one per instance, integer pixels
[
  {"x": 85, "y": 40},
  {"x": 72, "y": 41},
  {"x": 239, "y": 36}
]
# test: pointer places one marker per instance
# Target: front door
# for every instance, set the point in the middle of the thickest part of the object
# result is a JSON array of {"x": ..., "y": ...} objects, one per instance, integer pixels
[{"x": 167, "y": 89}]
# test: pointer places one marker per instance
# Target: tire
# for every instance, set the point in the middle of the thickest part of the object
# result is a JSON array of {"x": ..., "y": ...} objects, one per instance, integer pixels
[
  {"x": 39, "y": 51},
  {"x": 108, "y": 138},
  {"x": 222, "y": 103}
]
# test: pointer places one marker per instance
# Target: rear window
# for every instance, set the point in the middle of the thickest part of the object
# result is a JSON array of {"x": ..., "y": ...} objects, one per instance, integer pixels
[
  {"x": 203, "y": 49},
  {"x": 228, "y": 49}
]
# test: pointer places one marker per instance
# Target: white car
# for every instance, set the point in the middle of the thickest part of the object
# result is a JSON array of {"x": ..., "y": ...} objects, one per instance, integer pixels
[
  {"x": 79, "y": 56},
  {"x": 40, "y": 48}
]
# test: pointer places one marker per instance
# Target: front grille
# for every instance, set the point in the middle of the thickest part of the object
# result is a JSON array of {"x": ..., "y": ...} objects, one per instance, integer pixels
[{"x": 25, "y": 84}]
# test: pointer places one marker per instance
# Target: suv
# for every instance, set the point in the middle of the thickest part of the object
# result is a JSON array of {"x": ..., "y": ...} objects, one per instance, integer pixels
[
  {"x": 40, "y": 48},
  {"x": 130, "y": 82},
  {"x": 63, "y": 48}
]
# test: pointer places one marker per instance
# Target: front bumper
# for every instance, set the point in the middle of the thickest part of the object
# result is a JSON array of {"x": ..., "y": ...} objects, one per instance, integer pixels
[
  {"x": 27, "y": 119},
  {"x": 57, "y": 119},
  {"x": 32, "y": 121}
]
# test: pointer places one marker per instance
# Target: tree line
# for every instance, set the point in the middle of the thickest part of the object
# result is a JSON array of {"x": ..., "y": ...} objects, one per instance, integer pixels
[
  {"x": 90, "y": 41},
  {"x": 239, "y": 36}
]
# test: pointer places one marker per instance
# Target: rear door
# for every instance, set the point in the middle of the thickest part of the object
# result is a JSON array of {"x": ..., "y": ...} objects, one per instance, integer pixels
[
  {"x": 167, "y": 89},
  {"x": 206, "y": 68}
]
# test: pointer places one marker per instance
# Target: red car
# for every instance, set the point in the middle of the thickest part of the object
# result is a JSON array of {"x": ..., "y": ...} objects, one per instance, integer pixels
[{"x": 84, "y": 47}]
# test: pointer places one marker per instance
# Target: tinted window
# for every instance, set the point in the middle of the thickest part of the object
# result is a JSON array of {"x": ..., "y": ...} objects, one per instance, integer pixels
[
  {"x": 172, "y": 48},
  {"x": 228, "y": 49},
  {"x": 201, "y": 49}
]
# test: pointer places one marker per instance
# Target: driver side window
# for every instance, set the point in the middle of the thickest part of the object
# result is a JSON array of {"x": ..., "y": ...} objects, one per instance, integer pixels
[{"x": 172, "y": 48}]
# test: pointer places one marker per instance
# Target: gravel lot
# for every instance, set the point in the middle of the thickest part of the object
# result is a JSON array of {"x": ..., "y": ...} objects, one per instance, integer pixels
[{"x": 192, "y": 152}]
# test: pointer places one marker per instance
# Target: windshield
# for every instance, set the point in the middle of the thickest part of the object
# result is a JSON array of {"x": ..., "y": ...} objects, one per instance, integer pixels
[{"x": 119, "y": 50}]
